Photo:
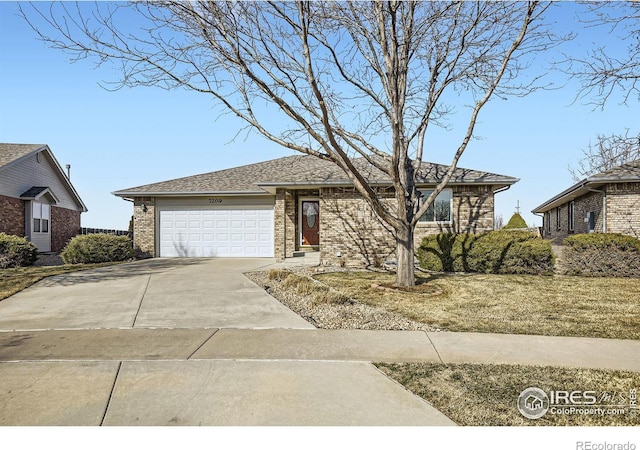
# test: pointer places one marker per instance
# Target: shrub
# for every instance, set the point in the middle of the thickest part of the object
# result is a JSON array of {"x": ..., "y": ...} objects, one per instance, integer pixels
[
  {"x": 516, "y": 221},
  {"x": 602, "y": 254},
  {"x": 16, "y": 251},
  {"x": 97, "y": 248},
  {"x": 510, "y": 252},
  {"x": 503, "y": 252},
  {"x": 445, "y": 252}
]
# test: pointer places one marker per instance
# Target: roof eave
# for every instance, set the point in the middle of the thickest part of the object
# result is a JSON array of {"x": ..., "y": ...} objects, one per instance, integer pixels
[
  {"x": 570, "y": 194},
  {"x": 129, "y": 194},
  {"x": 487, "y": 182}
]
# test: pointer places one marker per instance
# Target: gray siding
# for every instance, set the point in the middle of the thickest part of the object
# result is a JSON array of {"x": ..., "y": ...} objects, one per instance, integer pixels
[{"x": 21, "y": 176}]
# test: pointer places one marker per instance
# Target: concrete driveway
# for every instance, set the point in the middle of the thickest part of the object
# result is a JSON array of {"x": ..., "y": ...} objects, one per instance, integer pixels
[
  {"x": 157, "y": 293},
  {"x": 177, "y": 342}
]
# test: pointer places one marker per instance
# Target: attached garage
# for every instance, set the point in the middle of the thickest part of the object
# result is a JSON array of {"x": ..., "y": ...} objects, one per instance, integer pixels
[
  {"x": 221, "y": 233},
  {"x": 215, "y": 227}
]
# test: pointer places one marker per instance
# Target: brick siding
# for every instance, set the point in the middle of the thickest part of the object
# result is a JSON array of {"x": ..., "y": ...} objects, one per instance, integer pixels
[
  {"x": 65, "y": 225},
  {"x": 349, "y": 227},
  {"x": 144, "y": 226},
  {"x": 623, "y": 213},
  {"x": 12, "y": 216},
  {"x": 623, "y": 208}
]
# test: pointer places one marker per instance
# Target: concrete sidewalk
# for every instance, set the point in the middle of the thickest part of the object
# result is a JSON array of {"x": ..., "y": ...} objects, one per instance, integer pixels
[
  {"x": 250, "y": 376},
  {"x": 318, "y": 345}
]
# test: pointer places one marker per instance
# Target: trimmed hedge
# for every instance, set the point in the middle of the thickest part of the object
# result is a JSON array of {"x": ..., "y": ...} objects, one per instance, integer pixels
[
  {"x": 602, "y": 255},
  {"x": 511, "y": 252},
  {"x": 16, "y": 251},
  {"x": 501, "y": 252},
  {"x": 97, "y": 248},
  {"x": 516, "y": 221}
]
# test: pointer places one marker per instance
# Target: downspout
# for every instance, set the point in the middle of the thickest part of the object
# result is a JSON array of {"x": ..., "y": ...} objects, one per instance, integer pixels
[
  {"x": 502, "y": 189},
  {"x": 542, "y": 226},
  {"x": 604, "y": 205}
]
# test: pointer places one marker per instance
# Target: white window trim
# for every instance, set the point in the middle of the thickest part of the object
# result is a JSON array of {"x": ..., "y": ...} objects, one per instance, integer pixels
[
  {"x": 443, "y": 222},
  {"x": 41, "y": 217}
]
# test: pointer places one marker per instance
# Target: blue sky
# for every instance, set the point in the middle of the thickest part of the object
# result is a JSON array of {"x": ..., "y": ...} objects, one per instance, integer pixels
[{"x": 116, "y": 140}]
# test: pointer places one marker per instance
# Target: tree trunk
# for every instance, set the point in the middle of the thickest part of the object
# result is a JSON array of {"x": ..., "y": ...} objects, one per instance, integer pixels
[{"x": 405, "y": 275}]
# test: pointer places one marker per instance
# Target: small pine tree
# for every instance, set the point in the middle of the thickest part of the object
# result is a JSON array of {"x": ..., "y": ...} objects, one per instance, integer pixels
[{"x": 516, "y": 221}]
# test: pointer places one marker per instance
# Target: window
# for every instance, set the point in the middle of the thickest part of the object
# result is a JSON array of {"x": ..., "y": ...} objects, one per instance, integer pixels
[
  {"x": 41, "y": 216},
  {"x": 571, "y": 214},
  {"x": 548, "y": 221},
  {"x": 440, "y": 209},
  {"x": 557, "y": 218}
]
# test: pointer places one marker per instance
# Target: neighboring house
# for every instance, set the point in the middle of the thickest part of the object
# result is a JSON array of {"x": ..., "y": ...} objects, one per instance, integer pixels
[
  {"x": 608, "y": 202},
  {"x": 297, "y": 203},
  {"x": 37, "y": 200}
]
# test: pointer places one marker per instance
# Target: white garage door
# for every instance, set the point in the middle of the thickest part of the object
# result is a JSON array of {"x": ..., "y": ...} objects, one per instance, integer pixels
[{"x": 219, "y": 233}]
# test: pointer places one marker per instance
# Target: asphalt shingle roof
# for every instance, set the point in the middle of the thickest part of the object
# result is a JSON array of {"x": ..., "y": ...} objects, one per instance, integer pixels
[
  {"x": 12, "y": 152},
  {"x": 298, "y": 170},
  {"x": 626, "y": 172}
]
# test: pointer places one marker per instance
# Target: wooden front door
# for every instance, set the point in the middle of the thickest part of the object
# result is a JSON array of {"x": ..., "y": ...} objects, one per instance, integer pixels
[{"x": 310, "y": 222}]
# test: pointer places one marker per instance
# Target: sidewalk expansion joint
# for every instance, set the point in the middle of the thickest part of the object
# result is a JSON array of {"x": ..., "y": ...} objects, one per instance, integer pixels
[
  {"x": 434, "y": 347},
  {"x": 202, "y": 345},
  {"x": 144, "y": 292},
  {"x": 113, "y": 388}
]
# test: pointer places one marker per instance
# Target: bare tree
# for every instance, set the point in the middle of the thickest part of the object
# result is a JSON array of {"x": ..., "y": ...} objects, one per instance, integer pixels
[
  {"x": 346, "y": 80},
  {"x": 604, "y": 70},
  {"x": 498, "y": 222},
  {"x": 608, "y": 152}
]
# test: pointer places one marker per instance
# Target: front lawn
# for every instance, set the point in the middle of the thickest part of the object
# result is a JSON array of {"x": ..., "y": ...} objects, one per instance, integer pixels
[
  {"x": 487, "y": 395},
  {"x": 13, "y": 281},
  {"x": 519, "y": 304}
]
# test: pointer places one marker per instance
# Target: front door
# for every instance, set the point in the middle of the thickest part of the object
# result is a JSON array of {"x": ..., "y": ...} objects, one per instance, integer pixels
[{"x": 310, "y": 222}]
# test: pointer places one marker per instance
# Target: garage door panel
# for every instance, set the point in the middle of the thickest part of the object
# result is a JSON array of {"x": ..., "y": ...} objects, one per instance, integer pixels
[{"x": 216, "y": 233}]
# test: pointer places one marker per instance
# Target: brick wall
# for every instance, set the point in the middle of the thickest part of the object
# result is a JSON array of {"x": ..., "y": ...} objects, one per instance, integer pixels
[
  {"x": 144, "y": 226},
  {"x": 12, "y": 216},
  {"x": 350, "y": 227},
  {"x": 65, "y": 224},
  {"x": 622, "y": 217},
  {"x": 284, "y": 226},
  {"x": 623, "y": 208},
  {"x": 473, "y": 210}
]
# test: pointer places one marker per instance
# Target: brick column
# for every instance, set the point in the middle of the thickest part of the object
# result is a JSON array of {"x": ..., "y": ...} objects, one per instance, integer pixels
[
  {"x": 144, "y": 226},
  {"x": 284, "y": 224}
]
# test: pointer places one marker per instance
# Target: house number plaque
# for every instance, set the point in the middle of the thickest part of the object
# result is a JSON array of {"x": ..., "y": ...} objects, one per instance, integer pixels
[{"x": 215, "y": 201}]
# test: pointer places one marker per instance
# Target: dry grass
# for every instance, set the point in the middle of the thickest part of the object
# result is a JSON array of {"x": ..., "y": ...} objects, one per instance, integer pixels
[
  {"x": 13, "y": 281},
  {"x": 486, "y": 395},
  {"x": 308, "y": 287},
  {"x": 519, "y": 304}
]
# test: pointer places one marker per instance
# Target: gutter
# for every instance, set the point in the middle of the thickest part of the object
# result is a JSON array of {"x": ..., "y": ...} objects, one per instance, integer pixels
[{"x": 503, "y": 188}]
